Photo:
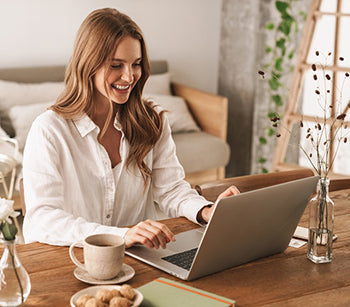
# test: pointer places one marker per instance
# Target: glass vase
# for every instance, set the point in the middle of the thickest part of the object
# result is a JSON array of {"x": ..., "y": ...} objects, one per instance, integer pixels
[
  {"x": 321, "y": 221},
  {"x": 14, "y": 279}
]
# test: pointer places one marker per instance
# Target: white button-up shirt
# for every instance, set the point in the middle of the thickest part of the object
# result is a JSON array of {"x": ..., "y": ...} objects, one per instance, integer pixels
[{"x": 71, "y": 190}]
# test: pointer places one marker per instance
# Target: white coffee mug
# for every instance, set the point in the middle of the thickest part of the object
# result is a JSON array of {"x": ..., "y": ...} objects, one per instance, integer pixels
[{"x": 103, "y": 255}]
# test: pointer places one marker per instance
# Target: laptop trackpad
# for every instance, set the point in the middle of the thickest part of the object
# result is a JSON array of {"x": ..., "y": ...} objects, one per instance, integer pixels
[{"x": 184, "y": 241}]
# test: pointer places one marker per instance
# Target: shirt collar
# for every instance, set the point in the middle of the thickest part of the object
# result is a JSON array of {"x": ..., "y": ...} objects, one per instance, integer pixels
[
  {"x": 85, "y": 125},
  {"x": 117, "y": 124}
]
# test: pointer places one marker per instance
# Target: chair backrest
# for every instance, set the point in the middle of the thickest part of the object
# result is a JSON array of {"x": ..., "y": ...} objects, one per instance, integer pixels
[
  {"x": 21, "y": 192},
  {"x": 339, "y": 184},
  {"x": 211, "y": 190}
]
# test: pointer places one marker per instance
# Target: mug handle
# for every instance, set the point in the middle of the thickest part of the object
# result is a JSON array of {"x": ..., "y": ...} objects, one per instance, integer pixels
[{"x": 74, "y": 259}]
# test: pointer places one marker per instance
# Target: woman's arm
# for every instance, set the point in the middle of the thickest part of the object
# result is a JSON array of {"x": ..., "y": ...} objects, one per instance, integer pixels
[{"x": 173, "y": 194}]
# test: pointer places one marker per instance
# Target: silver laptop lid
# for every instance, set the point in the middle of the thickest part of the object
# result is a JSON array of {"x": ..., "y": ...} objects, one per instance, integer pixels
[{"x": 252, "y": 225}]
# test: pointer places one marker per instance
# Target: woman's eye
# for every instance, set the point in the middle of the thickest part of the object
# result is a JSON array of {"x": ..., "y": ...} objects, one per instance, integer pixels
[
  {"x": 137, "y": 64},
  {"x": 116, "y": 66}
]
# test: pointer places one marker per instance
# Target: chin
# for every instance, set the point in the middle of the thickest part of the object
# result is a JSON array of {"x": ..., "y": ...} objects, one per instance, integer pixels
[{"x": 120, "y": 100}]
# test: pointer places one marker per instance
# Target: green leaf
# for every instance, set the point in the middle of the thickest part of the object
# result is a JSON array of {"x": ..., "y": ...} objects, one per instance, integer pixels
[
  {"x": 278, "y": 64},
  {"x": 272, "y": 114},
  {"x": 291, "y": 54},
  {"x": 270, "y": 26},
  {"x": 262, "y": 140},
  {"x": 268, "y": 49},
  {"x": 303, "y": 15},
  {"x": 262, "y": 160},
  {"x": 278, "y": 100},
  {"x": 285, "y": 26},
  {"x": 264, "y": 170},
  {"x": 274, "y": 84},
  {"x": 271, "y": 132},
  {"x": 296, "y": 27},
  {"x": 282, "y": 6},
  {"x": 275, "y": 75},
  {"x": 9, "y": 231},
  {"x": 281, "y": 44}
]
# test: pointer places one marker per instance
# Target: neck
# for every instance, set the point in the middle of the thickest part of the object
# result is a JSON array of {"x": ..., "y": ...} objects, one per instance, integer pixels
[{"x": 101, "y": 110}]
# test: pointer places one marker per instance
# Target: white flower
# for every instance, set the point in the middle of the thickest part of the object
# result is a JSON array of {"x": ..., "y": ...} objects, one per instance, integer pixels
[{"x": 6, "y": 210}]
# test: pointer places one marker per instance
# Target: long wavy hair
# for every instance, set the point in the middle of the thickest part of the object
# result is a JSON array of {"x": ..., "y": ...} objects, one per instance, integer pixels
[{"x": 95, "y": 44}]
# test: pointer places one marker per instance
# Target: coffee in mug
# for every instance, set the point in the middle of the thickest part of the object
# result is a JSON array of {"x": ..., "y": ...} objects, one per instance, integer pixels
[{"x": 103, "y": 255}]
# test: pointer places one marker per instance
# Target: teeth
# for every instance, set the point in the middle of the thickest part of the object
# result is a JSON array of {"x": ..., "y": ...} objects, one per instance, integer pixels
[{"x": 120, "y": 87}]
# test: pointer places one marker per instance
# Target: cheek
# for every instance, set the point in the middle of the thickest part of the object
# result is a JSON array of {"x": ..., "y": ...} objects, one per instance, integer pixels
[
  {"x": 99, "y": 82},
  {"x": 137, "y": 75}
]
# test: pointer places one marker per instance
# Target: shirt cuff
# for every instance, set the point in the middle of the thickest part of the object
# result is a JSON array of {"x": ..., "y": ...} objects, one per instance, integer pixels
[{"x": 191, "y": 209}]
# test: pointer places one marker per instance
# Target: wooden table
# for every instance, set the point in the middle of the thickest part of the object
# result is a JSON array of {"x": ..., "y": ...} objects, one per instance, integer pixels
[{"x": 286, "y": 279}]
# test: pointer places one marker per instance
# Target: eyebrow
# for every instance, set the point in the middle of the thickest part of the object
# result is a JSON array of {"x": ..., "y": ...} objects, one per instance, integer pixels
[{"x": 121, "y": 60}]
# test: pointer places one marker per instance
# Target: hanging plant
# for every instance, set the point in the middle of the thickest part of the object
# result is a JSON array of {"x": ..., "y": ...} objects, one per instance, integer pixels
[{"x": 281, "y": 54}]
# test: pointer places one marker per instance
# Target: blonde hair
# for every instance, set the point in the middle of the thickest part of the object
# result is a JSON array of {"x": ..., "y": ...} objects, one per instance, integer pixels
[{"x": 95, "y": 44}]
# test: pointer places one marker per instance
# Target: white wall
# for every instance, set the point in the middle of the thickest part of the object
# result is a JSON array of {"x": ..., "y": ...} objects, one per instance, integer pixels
[{"x": 184, "y": 32}]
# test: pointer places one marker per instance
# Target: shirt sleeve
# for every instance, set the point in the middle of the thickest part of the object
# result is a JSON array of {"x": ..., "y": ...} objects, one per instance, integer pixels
[
  {"x": 173, "y": 194},
  {"x": 45, "y": 220}
]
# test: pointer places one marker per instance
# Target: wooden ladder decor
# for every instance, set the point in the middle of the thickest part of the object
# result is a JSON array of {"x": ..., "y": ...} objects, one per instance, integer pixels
[{"x": 291, "y": 116}]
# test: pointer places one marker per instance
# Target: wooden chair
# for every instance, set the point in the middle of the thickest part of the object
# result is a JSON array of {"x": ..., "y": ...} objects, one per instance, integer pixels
[
  {"x": 21, "y": 192},
  {"x": 8, "y": 165},
  {"x": 211, "y": 190},
  {"x": 339, "y": 184}
]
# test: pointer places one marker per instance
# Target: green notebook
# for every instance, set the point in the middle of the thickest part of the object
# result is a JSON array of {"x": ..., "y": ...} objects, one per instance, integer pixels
[{"x": 163, "y": 292}]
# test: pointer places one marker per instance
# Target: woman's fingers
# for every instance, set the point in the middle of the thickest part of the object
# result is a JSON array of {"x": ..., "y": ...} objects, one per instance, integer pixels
[
  {"x": 161, "y": 230},
  {"x": 154, "y": 233},
  {"x": 232, "y": 190},
  {"x": 150, "y": 233}
]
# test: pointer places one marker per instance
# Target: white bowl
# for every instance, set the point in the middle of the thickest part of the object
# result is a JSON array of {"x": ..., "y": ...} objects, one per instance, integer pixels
[{"x": 94, "y": 289}]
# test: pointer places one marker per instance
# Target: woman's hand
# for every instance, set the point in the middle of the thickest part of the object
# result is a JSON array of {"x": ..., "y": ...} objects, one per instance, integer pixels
[
  {"x": 232, "y": 190},
  {"x": 150, "y": 233},
  {"x": 208, "y": 211}
]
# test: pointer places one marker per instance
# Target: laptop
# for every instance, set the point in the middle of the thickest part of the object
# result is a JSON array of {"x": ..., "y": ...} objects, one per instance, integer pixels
[{"x": 242, "y": 228}]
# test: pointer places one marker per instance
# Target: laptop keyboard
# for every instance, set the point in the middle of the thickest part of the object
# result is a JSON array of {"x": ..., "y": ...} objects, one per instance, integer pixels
[{"x": 183, "y": 259}]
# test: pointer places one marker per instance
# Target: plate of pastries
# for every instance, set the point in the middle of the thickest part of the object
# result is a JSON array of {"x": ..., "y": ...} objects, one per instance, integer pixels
[{"x": 107, "y": 296}]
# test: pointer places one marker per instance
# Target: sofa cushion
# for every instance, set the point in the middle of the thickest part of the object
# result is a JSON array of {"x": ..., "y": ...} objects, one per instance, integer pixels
[
  {"x": 13, "y": 93},
  {"x": 22, "y": 118},
  {"x": 198, "y": 151},
  {"x": 158, "y": 84},
  {"x": 179, "y": 116}
]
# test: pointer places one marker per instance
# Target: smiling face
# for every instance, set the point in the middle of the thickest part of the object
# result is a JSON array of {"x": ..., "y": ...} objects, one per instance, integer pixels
[{"x": 123, "y": 74}]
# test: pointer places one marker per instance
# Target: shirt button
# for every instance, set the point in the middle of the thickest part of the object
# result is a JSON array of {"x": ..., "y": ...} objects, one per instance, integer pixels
[{"x": 108, "y": 216}]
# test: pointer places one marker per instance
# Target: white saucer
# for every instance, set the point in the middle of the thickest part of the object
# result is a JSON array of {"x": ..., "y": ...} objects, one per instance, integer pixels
[
  {"x": 93, "y": 290},
  {"x": 126, "y": 273}
]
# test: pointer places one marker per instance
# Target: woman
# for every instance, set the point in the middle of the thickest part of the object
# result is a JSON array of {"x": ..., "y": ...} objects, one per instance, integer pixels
[{"x": 100, "y": 157}]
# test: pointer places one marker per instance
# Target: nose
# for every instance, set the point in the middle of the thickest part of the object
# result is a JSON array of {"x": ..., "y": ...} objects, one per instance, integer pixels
[{"x": 127, "y": 74}]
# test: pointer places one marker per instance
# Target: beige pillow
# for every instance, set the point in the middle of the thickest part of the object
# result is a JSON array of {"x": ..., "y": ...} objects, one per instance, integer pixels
[
  {"x": 22, "y": 118},
  {"x": 180, "y": 118},
  {"x": 14, "y": 94},
  {"x": 158, "y": 84}
]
